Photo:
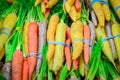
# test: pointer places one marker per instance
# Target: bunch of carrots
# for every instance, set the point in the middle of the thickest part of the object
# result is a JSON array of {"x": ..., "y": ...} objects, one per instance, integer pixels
[{"x": 60, "y": 40}]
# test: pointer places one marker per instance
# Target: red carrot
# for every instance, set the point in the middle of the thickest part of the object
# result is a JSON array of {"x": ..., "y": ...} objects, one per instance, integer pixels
[
  {"x": 86, "y": 46},
  {"x": 67, "y": 50},
  {"x": 77, "y": 5},
  {"x": 47, "y": 12},
  {"x": 17, "y": 65},
  {"x": 25, "y": 69},
  {"x": 32, "y": 46},
  {"x": 75, "y": 64}
]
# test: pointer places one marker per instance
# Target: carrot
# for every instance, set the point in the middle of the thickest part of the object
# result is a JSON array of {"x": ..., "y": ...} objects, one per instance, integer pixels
[
  {"x": 116, "y": 31},
  {"x": 81, "y": 65},
  {"x": 37, "y": 2},
  {"x": 67, "y": 49},
  {"x": 115, "y": 4},
  {"x": 112, "y": 45},
  {"x": 76, "y": 32},
  {"x": 6, "y": 70},
  {"x": 42, "y": 41},
  {"x": 47, "y": 12},
  {"x": 8, "y": 25},
  {"x": 51, "y": 35},
  {"x": 51, "y": 3},
  {"x": 32, "y": 46},
  {"x": 86, "y": 46},
  {"x": 45, "y": 1},
  {"x": 25, "y": 69},
  {"x": 75, "y": 64},
  {"x": 43, "y": 8},
  {"x": 106, "y": 46},
  {"x": 71, "y": 2},
  {"x": 92, "y": 34},
  {"x": 2, "y": 52},
  {"x": 94, "y": 18},
  {"x": 59, "y": 49},
  {"x": 73, "y": 13},
  {"x": 25, "y": 31},
  {"x": 97, "y": 7},
  {"x": 10, "y": 1},
  {"x": 67, "y": 7},
  {"x": 17, "y": 65},
  {"x": 77, "y": 5},
  {"x": 106, "y": 10},
  {"x": 50, "y": 64},
  {"x": 1, "y": 22}
]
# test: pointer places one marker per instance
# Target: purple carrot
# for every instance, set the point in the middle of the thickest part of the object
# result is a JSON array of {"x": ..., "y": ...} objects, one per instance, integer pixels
[
  {"x": 112, "y": 45},
  {"x": 42, "y": 41}
]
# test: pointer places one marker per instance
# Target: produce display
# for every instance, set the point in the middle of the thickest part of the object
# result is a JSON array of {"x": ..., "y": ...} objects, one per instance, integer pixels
[{"x": 59, "y": 39}]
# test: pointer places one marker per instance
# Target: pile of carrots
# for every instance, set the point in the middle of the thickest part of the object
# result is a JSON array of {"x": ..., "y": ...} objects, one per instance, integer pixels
[{"x": 60, "y": 40}]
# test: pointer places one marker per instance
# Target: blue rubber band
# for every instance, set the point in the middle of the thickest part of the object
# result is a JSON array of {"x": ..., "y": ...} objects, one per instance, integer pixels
[
  {"x": 31, "y": 54},
  {"x": 39, "y": 56},
  {"x": 116, "y": 8},
  {"x": 57, "y": 42},
  {"x": 82, "y": 40},
  {"x": 5, "y": 33},
  {"x": 4, "y": 28},
  {"x": 104, "y": 2},
  {"x": 111, "y": 37}
]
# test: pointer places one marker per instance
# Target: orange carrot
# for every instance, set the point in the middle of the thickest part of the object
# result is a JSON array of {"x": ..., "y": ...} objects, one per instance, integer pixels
[
  {"x": 77, "y": 5},
  {"x": 17, "y": 61},
  {"x": 47, "y": 12},
  {"x": 75, "y": 64},
  {"x": 46, "y": 1},
  {"x": 67, "y": 49},
  {"x": 86, "y": 46},
  {"x": 32, "y": 46},
  {"x": 25, "y": 69}
]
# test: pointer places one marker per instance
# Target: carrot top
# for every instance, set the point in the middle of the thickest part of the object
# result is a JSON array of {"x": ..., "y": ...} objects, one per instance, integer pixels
[{"x": 40, "y": 15}]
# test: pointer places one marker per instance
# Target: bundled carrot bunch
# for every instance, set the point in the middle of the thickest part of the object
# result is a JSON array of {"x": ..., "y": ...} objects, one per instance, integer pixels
[{"x": 60, "y": 40}]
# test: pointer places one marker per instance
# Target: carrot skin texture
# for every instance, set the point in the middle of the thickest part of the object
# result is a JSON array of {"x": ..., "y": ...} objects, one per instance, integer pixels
[
  {"x": 25, "y": 70},
  {"x": 17, "y": 62},
  {"x": 32, "y": 46},
  {"x": 86, "y": 46},
  {"x": 68, "y": 55}
]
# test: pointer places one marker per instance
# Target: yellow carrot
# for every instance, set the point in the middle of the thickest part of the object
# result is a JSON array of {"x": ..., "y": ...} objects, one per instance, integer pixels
[
  {"x": 115, "y": 4},
  {"x": 67, "y": 7},
  {"x": 73, "y": 13},
  {"x": 51, "y": 3},
  {"x": 81, "y": 66},
  {"x": 43, "y": 7},
  {"x": 71, "y": 2},
  {"x": 25, "y": 31},
  {"x": 116, "y": 31},
  {"x": 37, "y": 2},
  {"x": 97, "y": 7},
  {"x": 76, "y": 32},
  {"x": 50, "y": 64},
  {"x": 106, "y": 11},
  {"x": 8, "y": 25},
  {"x": 59, "y": 49},
  {"x": 51, "y": 35},
  {"x": 2, "y": 52},
  {"x": 106, "y": 46}
]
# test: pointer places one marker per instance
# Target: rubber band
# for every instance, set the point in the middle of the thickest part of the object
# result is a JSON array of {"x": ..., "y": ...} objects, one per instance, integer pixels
[
  {"x": 82, "y": 40},
  {"x": 4, "y": 28},
  {"x": 60, "y": 43},
  {"x": 111, "y": 37},
  {"x": 39, "y": 56},
  {"x": 6, "y": 33},
  {"x": 116, "y": 8},
  {"x": 94, "y": 1}
]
